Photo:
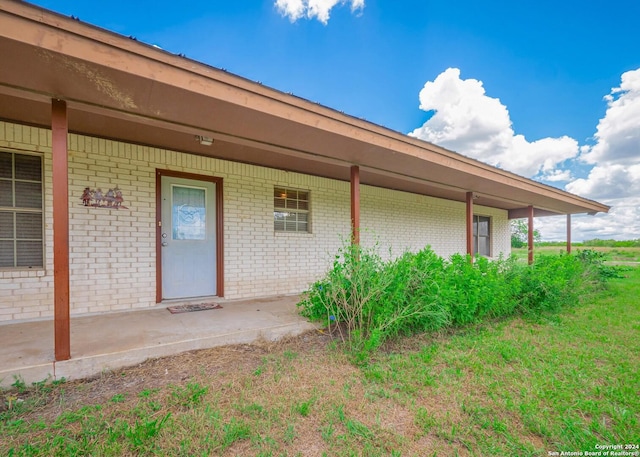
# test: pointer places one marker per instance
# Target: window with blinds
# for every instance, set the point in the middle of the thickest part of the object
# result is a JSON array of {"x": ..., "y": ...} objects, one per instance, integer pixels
[
  {"x": 21, "y": 225},
  {"x": 290, "y": 210}
]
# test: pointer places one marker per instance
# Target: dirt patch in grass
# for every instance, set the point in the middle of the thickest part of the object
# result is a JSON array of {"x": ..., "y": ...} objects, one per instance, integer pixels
[{"x": 128, "y": 383}]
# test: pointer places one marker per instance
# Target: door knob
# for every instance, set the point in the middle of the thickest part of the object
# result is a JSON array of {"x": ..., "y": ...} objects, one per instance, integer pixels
[{"x": 164, "y": 243}]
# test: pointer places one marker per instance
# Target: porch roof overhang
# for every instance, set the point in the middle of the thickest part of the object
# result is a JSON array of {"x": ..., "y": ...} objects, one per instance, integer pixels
[{"x": 118, "y": 88}]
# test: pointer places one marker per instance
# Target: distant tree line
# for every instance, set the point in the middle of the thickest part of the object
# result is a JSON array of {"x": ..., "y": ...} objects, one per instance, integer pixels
[
  {"x": 596, "y": 242},
  {"x": 520, "y": 239}
]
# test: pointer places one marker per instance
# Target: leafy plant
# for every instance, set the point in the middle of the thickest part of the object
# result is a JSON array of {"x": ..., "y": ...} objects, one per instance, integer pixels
[
  {"x": 19, "y": 384},
  {"x": 595, "y": 260},
  {"x": 367, "y": 301}
]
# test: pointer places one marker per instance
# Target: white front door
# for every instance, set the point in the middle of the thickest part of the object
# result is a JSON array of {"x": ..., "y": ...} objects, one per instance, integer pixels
[{"x": 188, "y": 238}]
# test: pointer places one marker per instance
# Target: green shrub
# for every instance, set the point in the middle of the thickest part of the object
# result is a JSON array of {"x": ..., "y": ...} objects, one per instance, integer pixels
[
  {"x": 410, "y": 301},
  {"x": 368, "y": 301},
  {"x": 547, "y": 284},
  {"x": 597, "y": 269},
  {"x": 347, "y": 292}
]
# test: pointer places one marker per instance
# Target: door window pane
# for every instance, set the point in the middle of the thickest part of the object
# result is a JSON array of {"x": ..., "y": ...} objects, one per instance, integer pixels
[{"x": 189, "y": 213}]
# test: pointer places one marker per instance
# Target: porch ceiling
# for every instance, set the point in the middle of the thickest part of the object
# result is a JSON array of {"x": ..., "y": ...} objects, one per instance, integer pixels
[{"x": 118, "y": 88}]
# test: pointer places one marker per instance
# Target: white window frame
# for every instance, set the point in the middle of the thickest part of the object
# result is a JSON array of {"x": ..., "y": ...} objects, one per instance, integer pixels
[{"x": 291, "y": 212}]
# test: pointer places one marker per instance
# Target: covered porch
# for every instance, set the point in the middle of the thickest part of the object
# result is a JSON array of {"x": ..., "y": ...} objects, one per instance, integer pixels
[
  {"x": 111, "y": 341},
  {"x": 96, "y": 83}
]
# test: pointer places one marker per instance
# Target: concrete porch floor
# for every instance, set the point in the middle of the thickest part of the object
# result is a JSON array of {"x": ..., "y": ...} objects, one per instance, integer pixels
[{"x": 111, "y": 341}]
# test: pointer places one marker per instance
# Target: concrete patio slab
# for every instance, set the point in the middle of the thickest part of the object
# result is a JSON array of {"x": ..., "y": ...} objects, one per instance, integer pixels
[{"x": 111, "y": 341}]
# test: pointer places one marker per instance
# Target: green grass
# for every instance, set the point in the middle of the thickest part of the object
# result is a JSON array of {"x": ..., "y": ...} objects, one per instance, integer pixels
[
  {"x": 613, "y": 254},
  {"x": 523, "y": 386}
]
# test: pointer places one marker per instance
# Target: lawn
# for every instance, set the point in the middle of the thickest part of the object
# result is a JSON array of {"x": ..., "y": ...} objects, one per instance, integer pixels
[
  {"x": 523, "y": 386},
  {"x": 614, "y": 255}
]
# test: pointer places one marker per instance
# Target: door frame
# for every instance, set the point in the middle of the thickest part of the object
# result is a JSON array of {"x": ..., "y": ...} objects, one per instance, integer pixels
[{"x": 219, "y": 260}]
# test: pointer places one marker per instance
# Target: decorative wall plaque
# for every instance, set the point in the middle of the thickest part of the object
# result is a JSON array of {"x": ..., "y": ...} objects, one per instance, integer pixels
[{"x": 112, "y": 198}]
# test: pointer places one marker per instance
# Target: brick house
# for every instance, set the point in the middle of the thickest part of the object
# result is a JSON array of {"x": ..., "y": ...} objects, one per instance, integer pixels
[{"x": 130, "y": 176}]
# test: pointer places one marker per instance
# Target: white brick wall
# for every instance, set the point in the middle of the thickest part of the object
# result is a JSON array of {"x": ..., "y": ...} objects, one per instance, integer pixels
[
  {"x": 112, "y": 252},
  {"x": 28, "y": 294},
  {"x": 401, "y": 221}
]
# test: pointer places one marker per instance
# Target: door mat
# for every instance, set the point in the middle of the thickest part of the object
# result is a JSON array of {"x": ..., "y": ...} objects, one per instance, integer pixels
[{"x": 193, "y": 307}]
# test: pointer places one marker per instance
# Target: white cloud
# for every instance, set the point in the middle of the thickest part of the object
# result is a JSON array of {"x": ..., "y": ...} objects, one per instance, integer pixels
[
  {"x": 609, "y": 181},
  {"x": 295, "y": 9},
  {"x": 557, "y": 176},
  {"x": 468, "y": 121},
  {"x": 621, "y": 223},
  {"x": 618, "y": 133},
  {"x": 616, "y": 154},
  {"x": 319, "y": 9},
  {"x": 615, "y": 177}
]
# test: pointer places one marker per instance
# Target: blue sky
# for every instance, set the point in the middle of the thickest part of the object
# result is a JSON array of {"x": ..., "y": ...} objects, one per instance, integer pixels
[{"x": 520, "y": 85}]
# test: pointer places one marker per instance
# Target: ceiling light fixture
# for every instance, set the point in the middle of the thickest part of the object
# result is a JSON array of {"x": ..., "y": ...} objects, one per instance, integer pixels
[{"x": 204, "y": 140}]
